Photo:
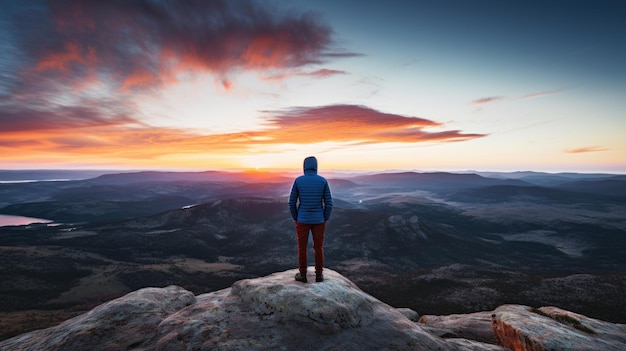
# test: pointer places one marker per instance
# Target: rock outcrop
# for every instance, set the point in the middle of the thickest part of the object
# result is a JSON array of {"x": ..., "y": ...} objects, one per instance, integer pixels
[
  {"x": 522, "y": 328},
  {"x": 120, "y": 324},
  {"x": 276, "y": 312},
  {"x": 273, "y": 312}
]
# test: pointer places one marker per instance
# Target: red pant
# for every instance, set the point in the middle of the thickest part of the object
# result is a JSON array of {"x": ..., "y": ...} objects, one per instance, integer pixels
[{"x": 302, "y": 233}]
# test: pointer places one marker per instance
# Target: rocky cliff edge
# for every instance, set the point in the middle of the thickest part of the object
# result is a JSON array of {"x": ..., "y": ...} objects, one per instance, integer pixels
[{"x": 276, "y": 312}]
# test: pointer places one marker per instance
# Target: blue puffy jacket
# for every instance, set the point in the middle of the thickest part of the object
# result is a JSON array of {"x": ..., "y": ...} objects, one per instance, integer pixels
[{"x": 310, "y": 201}]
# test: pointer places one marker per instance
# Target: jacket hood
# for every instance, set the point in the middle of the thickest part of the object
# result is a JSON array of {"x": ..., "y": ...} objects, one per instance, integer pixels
[{"x": 310, "y": 164}]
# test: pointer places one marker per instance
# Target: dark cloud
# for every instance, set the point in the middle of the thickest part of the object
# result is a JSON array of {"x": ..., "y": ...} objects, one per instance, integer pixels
[
  {"x": 141, "y": 44},
  {"x": 68, "y": 117},
  {"x": 74, "y": 62}
]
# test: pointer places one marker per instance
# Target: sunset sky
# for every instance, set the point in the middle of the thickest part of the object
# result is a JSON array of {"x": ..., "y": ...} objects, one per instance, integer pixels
[{"x": 392, "y": 85}]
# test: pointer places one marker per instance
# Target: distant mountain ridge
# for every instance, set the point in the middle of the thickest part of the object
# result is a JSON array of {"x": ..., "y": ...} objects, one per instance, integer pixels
[
  {"x": 570, "y": 193},
  {"x": 205, "y": 176},
  {"x": 50, "y": 174},
  {"x": 613, "y": 187},
  {"x": 550, "y": 179},
  {"x": 436, "y": 180}
]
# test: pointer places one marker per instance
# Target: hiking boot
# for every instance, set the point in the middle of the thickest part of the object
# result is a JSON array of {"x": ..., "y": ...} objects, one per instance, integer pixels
[
  {"x": 301, "y": 278},
  {"x": 319, "y": 278}
]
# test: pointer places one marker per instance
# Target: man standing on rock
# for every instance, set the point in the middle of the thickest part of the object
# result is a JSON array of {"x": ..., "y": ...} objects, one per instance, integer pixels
[{"x": 310, "y": 203}]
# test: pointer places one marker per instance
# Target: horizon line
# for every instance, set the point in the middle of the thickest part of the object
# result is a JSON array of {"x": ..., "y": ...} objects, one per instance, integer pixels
[{"x": 297, "y": 170}]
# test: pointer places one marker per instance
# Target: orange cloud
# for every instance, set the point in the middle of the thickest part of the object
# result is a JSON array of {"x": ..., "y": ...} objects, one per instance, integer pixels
[
  {"x": 63, "y": 58},
  {"x": 587, "y": 149},
  {"x": 344, "y": 123},
  {"x": 348, "y": 124},
  {"x": 140, "y": 79},
  {"x": 124, "y": 140}
]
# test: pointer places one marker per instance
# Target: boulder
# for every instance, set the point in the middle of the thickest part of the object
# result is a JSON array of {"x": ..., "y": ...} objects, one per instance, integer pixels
[
  {"x": 274, "y": 312},
  {"x": 119, "y": 324},
  {"x": 522, "y": 328}
]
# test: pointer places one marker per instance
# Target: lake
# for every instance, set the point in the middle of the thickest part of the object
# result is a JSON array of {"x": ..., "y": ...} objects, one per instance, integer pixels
[{"x": 6, "y": 220}]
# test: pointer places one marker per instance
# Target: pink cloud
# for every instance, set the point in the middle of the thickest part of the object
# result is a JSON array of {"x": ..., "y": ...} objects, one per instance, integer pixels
[
  {"x": 540, "y": 94},
  {"x": 324, "y": 73},
  {"x": 320, "y": 74},
  {"x": 487, "y": 100},
  {"x": 493, "y": 99},
  {"x": 586, "y": 149}
]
